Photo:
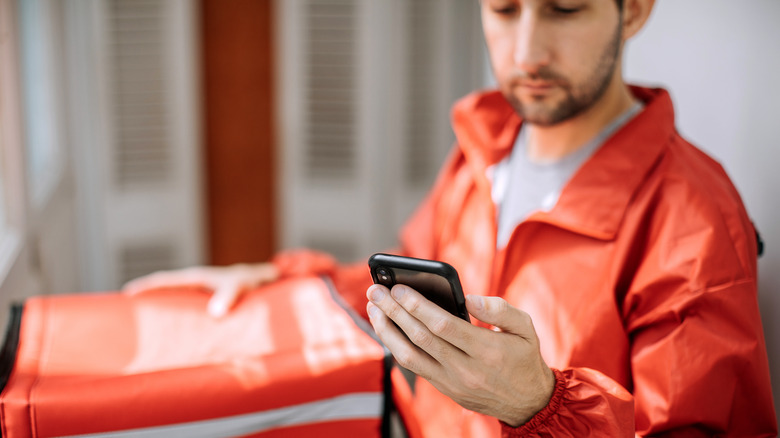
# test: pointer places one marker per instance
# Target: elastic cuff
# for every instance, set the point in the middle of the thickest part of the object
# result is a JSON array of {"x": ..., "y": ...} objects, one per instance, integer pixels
[{"x": 542, "y": 416}]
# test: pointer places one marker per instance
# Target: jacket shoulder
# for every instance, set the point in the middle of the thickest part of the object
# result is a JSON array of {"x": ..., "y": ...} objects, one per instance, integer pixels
[{"x": 698, "y": 211}]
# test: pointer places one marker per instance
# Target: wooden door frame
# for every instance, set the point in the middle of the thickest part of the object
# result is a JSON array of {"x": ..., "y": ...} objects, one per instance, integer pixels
[{"x": 239, "y": 132}]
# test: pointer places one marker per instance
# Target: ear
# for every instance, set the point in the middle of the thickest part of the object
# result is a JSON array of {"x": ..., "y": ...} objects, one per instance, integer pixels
[{"x": 635, "y": 14}]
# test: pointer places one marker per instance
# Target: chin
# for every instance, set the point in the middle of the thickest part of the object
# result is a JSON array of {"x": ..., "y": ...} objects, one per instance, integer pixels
[{"x": 536, "y": 112}]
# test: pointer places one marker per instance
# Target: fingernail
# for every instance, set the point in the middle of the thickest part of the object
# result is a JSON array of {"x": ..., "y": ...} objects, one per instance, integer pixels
[
  {"x": 376, "y": 294},
  {"x": 397, "y": 292},
  {"x": 217, "y": 308},
  {"x": 477, "y": 302}
]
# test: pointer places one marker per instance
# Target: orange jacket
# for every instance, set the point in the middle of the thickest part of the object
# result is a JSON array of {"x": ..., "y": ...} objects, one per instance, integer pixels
[{"x": 641, "y": 282}]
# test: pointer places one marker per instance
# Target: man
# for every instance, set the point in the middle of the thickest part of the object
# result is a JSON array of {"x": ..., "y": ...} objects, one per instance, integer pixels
[{"x": 610, "y": 265}]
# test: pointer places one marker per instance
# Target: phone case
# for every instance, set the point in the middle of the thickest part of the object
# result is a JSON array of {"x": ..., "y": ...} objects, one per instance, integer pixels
[{"x": 437, "y": 281}]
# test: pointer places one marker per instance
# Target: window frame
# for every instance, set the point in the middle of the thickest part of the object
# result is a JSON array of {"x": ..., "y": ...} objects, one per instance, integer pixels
[
  {"x": 14, "y": 272},
  {"x": 41, "y": 81}
]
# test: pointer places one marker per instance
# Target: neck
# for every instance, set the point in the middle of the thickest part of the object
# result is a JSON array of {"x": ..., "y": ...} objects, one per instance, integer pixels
[{"x": 550, "y": 143}]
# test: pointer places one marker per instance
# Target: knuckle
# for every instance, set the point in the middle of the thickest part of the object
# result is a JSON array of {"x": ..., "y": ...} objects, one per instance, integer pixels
[
  {"x": 412, "y": 304},
  {"x": 473, "y": 381},
  {"x": 405, "y": 358},
  {"x": 526, "y": 318},
  {"x": 230, "y": 292},
  {"x": 493, "y": 357},
  {"x": 378, "y": 322},
  {"x": 393, "y": 311},
  {"x": 421, "y": 337},
  {"x": 502, "y": 306},
  {"x": 442, "y": 327}
]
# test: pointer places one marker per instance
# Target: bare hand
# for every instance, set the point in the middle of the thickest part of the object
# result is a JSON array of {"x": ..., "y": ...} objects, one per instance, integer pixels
[
  {"x": 495, "y": 372},
  {"x": 227, "y": 282}
]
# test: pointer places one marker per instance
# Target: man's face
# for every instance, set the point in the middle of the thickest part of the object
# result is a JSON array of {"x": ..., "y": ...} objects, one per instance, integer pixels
[{"x": 552, "y": 59}]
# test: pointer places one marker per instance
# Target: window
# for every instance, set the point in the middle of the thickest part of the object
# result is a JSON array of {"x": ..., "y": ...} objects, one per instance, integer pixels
[
  {"x": 41, "y": 89},
  {"x": 12, "y": 287}
]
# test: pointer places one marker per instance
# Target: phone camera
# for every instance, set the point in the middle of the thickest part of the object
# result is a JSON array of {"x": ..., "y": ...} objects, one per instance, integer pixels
[{"x": 384, "y": 276}]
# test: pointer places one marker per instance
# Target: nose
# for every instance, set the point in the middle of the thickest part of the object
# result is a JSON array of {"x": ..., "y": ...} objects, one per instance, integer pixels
[{"x": 531, "y": 50}]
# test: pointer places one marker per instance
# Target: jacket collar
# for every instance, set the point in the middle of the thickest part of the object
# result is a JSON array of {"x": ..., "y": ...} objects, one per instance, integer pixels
[{"x": 592, "y": 203}]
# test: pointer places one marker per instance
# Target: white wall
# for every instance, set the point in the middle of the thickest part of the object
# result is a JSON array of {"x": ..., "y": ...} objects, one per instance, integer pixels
[{"x": 720, "y": 59}]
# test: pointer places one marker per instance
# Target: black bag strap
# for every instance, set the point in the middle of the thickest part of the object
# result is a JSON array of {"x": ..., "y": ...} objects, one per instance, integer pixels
[
  {"x": 389, "y": 405},
  {"x": 759, "y": 242},
  {"x": 10, "y": 345}
]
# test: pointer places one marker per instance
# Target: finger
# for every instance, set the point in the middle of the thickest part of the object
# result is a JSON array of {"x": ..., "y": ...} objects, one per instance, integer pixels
[
  {"x": 267, "y": 273},
  {"x": 155, "y": 280},
  {"x": 499, "y": 313},
  {"x": 379, "y": 296},
  {"x": 415, "y": 330},
  {"x": 223, "y": 299},
  {"x": 197, "y": 276},
  {"x": 451, "y": 330},
  {"x": 403, "y": 350}
]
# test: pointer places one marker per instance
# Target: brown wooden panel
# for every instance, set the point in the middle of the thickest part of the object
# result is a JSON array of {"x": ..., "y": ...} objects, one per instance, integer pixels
[{"x": 237, "y": 45}]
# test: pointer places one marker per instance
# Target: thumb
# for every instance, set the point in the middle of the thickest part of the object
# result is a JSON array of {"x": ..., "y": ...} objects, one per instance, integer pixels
[
  {"x": 225, "y": 295},
  {"x": 499, "y": 313}
]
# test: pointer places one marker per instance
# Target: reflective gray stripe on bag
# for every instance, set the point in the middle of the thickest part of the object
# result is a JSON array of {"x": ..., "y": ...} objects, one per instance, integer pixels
[{"x": 346, "y": 407}]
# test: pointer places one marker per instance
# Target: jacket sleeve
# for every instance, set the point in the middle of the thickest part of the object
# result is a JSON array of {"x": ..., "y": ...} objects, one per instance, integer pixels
[
  {"x": 697, "y": 354},
  {"x": 584, "y": 403},
  {"x": 700, "y": 365},
  {"x": 699, "y": 369}
]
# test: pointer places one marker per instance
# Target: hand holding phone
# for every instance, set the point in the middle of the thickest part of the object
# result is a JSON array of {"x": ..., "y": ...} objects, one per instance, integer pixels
[{"x": 436, "y": 281}]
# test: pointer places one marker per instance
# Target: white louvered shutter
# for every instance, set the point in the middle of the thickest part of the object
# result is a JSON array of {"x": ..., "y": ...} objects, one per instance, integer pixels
[
  {"x": 365, "y": 93},
  {"x": 330, "y": 86},
  {"x": 146, "y": 211},
  {"x": 142, "y": 153}
]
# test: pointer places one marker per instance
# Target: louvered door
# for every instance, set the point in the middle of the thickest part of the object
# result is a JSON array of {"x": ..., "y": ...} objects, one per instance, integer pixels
[
  {"x": 330, "y": 78},
  {"x": 137, "y": 137},
  {"x": 365, "y": 93},
  {"x": 320, "y": 108},
  {"x": 153, "y": 174},
  {"x": 142, "y": 154}
]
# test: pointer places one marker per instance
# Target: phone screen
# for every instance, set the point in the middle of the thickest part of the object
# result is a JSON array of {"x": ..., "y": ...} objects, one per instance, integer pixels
[
  {"x": 435, "y": 280},
  {"x": 435, "y": 287}
]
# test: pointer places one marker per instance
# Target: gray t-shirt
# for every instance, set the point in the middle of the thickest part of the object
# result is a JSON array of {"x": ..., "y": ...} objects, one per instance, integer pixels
[{"x": 521, "y": 186}]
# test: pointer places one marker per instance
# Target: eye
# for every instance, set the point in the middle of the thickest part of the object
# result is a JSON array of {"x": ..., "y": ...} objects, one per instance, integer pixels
[
  {"x": 566, "y": 8},
  {"x": 508, "y": 10},
  {"x": 504, "y": 7},
  {"x": 565, "y": 11}
]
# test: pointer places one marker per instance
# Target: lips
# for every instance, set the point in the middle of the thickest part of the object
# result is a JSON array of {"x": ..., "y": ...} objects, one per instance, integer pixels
[
  {"x": 536, "y": 89},
  {"x": 535, "y": 85},
  {"x": 539, "y": 85}
]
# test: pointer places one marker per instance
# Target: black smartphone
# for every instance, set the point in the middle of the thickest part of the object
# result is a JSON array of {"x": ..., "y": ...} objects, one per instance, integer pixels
[{"x": 436, "y": 281}]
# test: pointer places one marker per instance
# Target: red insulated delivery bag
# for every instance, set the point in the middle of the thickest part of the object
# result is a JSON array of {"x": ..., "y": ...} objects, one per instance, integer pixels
[{"x": 289, "y": 360}]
